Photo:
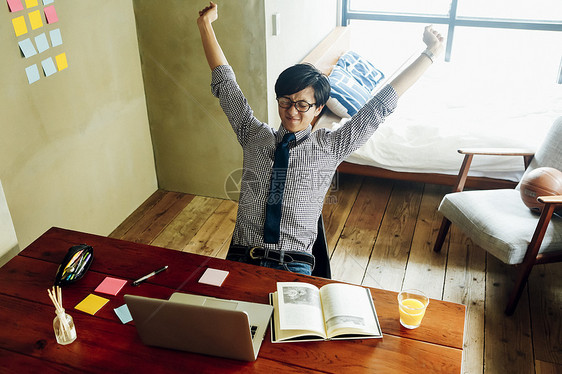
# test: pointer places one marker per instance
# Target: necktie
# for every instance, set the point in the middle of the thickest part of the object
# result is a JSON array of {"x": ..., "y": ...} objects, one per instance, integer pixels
[{"x": 276, "y": 187}]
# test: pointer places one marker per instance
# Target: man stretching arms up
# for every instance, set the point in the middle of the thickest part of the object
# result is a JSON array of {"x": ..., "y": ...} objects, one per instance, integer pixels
[{"x": 287, "y": 172}]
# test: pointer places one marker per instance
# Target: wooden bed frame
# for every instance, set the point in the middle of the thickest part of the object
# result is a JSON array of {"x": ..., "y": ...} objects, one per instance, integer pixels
[{"x": 324, "y": 57}]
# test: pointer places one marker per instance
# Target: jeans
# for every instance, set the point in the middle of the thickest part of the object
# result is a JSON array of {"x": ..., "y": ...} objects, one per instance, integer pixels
[{"x": 294, "y": 267}]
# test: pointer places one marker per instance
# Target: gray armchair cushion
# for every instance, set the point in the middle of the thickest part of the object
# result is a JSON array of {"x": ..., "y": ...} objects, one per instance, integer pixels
[{"x": 499, "y": 222}]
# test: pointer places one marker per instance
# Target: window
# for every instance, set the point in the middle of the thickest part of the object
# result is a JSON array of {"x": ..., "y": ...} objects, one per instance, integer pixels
[
  {"x": 504, "y": 58},
  {"x": 506, "y": 14},
  {"x": 404, "y": 6},
  {"x": 541, "y": 10}
]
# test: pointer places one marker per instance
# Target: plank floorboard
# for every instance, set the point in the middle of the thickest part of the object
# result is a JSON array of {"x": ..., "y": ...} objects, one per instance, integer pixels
[
  {"x": 188, "y": 222},
  {"x": 426, "y": 268},
  {"x": 389, "y": 259},
  {"x": 543, "y": 367},
  {"x": 545, "y": 293},
  {"x": 465, "y": 283},
  {"x": 215, "y": 232},
  {"x": 354, "y": 247},
  {"x": 375, "y": 227},
  {"x": 136, "y": 216},
  {"x": 157, "y": 217},
  {"x": 508, "y": 342},
  {"x": 337, "y": 206}
]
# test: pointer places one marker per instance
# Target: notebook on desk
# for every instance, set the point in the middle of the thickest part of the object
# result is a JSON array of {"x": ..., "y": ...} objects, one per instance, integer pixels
[{"x": 201, "y": 324}]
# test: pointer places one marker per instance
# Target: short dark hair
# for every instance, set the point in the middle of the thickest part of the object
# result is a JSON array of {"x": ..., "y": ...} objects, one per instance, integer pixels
[{"x": 298, "y": 77}]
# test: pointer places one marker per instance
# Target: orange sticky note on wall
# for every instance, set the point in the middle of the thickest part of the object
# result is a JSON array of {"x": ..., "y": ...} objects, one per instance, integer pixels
[
  {"x": 62, "y": 63},
  {"x": 19, "y": 25}
]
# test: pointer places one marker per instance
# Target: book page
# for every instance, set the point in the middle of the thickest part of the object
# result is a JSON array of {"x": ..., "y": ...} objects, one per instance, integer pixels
[
  {"x": 300, "y": 307},
  {"x": 348, "y": 309}
]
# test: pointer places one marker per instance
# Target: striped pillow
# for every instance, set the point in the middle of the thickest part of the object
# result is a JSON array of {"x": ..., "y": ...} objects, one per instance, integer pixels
[
  {"x": 361, "y": 69},
  {"x": 352, "y": 82},
  {"x": 347, "y": 95}
]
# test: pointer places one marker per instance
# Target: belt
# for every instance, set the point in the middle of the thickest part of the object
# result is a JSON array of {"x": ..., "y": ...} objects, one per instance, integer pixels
[{"x": 260, "y": 253}]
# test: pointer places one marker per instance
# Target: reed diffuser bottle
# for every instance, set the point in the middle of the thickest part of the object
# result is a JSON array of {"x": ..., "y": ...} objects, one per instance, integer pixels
[{"x": 65, "y": 331}]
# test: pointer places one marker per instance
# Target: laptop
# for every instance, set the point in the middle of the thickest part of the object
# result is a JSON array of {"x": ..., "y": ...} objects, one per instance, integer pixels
[{"x": 201, "y": 324}]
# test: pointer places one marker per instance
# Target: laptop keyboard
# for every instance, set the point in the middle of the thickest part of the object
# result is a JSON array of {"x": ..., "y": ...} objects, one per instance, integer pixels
[{"x": 253, "y": 330}]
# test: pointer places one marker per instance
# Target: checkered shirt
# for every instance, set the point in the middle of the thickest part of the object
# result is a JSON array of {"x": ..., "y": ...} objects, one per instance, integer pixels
[{"x": 313, "y": 159}]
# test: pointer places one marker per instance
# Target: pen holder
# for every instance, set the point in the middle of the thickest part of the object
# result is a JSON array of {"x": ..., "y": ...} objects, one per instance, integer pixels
[
  {"x": 75, "y": 264},
  {"x": 65, "y": 331}
]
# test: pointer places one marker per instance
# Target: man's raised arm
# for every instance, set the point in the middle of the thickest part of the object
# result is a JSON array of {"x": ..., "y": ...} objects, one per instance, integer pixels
[
  {"x": 433, "y": 40},
  {"x": 213, "y": 51}
]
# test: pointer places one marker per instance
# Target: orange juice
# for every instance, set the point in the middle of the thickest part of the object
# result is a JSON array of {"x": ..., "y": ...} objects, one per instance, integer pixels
[{"x": 411, "y": 312}]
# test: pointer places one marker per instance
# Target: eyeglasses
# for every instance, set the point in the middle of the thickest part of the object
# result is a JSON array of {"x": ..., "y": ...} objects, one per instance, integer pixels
[{"x": 301, "y": 105}]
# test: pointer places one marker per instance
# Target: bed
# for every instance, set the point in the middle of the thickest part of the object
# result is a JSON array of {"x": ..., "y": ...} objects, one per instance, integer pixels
[{"x": 406, "y": 147}]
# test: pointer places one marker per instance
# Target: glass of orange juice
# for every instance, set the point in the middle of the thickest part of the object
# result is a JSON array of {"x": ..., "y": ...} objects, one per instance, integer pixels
[{"x": 412, "y": 305}]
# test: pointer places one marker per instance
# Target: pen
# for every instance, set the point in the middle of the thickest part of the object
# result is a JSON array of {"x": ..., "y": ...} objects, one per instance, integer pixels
[{"x": 142, "y": 279}]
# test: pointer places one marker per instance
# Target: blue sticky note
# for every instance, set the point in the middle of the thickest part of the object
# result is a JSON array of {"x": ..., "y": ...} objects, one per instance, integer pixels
[
  {"x": 123, "y": 313},
  {"x": 49, "y": 67},
  {"x": 41, "y": 42},
  {"x": 32, "y": 73},
  {"x": 46, "y": 2},
  {"x": 27, "y": 48},
  {"x": 56, "y": 38}
]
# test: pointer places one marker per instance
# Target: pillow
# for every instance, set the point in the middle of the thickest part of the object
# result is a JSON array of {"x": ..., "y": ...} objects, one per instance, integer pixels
[
  {"x": 352, "y": 82},
  {"x": 361, "y": 69},
  {"x": 347, "y": 95}
]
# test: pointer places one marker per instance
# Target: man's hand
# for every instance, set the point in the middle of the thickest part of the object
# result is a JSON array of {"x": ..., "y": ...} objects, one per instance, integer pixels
[
  {"x": 433, "y": 40},
  {"x": 209, "y": 14}
]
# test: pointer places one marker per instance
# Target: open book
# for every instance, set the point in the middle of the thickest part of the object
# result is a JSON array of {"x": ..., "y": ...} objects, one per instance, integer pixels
[{"x": 302, "y": 312}]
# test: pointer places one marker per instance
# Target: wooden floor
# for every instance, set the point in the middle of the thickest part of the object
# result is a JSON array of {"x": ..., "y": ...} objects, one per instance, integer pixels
[{"x": 380, "y": 233}]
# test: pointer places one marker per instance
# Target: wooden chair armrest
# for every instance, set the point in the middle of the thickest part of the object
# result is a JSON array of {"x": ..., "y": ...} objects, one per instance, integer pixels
[
  {"x": 497, "y": 151},
  {"x": 557, "y": 199},
  {"x": 469, "y": 153}
]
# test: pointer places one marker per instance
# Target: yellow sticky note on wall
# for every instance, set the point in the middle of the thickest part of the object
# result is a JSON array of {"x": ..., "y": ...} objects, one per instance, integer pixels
[
  {"x": 91, "y": 304},
  {"x": 35, "y": 19},
  {"x": 19, "y": 25},
  {"x": 31, "y": 3},
  {"x": 61, "y": 61}
]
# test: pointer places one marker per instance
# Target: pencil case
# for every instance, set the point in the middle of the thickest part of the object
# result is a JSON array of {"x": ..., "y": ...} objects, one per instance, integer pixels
[{"x": 75, "y": 264}]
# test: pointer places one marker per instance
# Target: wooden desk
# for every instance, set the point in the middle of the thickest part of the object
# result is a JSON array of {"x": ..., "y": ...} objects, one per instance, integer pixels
[{"x": 104, "y": 344}]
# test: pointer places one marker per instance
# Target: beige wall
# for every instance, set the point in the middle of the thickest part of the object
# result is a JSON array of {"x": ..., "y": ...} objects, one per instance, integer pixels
[
  {"x": 75, "y": 147},
  {"x": 195, "y": 148}
]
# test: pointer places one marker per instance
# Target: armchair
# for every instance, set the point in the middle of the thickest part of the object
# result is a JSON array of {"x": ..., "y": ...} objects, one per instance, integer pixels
[{"x": 498, "y": 220}]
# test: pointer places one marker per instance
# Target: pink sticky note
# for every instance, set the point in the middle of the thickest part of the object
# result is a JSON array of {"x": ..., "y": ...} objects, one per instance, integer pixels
[
  {"x": 15, "y": 5},
  {"x": 51, "y": 14},
  {"x": 110, "y": 286},
  {"x": 214, "y": 277}
]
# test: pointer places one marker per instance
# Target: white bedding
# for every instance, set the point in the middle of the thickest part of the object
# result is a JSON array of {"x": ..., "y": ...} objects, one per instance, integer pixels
[{"x": 406, "y": 143}]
